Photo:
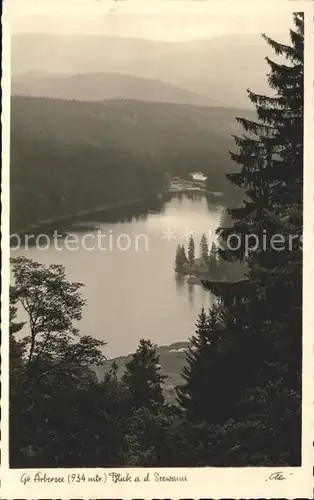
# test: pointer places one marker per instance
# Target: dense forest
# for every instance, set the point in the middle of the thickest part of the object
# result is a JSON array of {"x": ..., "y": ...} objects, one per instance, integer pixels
[
  {"x": 51, "y": 179},
  {"x": 240, "y": 402},
  {"x": 134, "y": 125},
  {"x": 68, "y": 156}
]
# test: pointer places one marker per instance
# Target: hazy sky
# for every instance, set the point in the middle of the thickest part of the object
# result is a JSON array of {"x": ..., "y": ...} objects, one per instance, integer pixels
[{"x": 156, "y": 27}]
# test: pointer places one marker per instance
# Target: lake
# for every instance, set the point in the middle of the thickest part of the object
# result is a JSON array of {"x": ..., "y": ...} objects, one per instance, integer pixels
[{"x": 125, "y": 258}]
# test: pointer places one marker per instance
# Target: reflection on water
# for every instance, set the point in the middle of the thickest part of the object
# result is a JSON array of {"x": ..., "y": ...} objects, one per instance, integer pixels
[
  {"x": 186, "y": 287},
  {"x": 180, "y": 282},
  {"x": 191, "y": 294},
  {"x": 135, "y": 294}
]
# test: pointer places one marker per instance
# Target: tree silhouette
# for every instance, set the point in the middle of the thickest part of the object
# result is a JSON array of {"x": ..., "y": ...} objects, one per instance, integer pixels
[
  {"x": 143, "y": 378},
  {"x": 204, "y": 249},
  {"x": 191, "y": 252}
]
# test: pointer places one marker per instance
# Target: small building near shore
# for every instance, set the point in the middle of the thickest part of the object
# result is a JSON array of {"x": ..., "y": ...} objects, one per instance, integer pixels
[{"x": 198, "y": 176}]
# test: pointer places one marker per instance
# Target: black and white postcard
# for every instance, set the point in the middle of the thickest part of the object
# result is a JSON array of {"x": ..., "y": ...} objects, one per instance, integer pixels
[{"x": 157, "y": 270}]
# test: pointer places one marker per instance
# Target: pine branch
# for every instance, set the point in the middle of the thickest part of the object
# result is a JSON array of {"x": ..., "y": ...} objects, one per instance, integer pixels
[
  {"x": 280, "y": 48},
  {"x": 266, "y": 101},
  {"x": 256, "y": 128}
]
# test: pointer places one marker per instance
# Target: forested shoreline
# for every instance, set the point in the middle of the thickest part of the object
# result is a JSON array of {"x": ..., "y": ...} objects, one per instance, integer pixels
[
  {"x": 240, "y": 400},
  {"x": 208, "y": 263},
  {"x": 72, "y": 156},
  {"x": 52, "y": 179}
]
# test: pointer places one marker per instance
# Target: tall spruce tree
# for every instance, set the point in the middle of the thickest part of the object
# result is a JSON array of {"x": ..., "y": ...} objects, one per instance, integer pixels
[
  {"x": 202, "y": 396},
  {"x": 213, "y": 262},
  {"x": 271, "y": 155},
  {"x": 181, "y": 258},
  {"x": 191, "y": 252},
  {"x": 184, "y": 258},
  {"x": 204, "y": 248},
  {"x": 178, "y": 258},
  {"x": 143, "y": 377},
  {"x": 272, "y": 174}
]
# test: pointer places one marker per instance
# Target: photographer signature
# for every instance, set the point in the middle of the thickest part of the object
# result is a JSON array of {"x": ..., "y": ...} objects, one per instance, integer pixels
[{"x": 278, "y": 476}]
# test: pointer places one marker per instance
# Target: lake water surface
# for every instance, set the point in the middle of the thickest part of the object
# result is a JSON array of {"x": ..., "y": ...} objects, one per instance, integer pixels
[{"x": 131, "y": 288}]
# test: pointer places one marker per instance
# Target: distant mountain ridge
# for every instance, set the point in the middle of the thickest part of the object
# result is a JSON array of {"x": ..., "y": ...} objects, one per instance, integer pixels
[
  {"x": 99, "y": 86},
  {"x": 220, "y": 69}
]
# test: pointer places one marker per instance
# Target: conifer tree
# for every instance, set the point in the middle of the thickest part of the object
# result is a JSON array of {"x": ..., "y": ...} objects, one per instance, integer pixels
[
  {"x": 143, "y": 377},
  {"x": 204, "y": 248},
  {"x": 212, "y": 262},
  {"x": 178, "y": 258},
  {"x": 184, "y": 258},
  {"x": 197, "y": 395},
  {"x": 191, "y": 252},
  {"x": 271, "y": 156}
]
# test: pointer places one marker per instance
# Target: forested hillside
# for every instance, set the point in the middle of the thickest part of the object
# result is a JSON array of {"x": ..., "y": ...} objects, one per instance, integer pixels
[
  {"x": 68, "y": 156},
  {"x": 51, "y": 179},
  {"x": 128, "y": 124},
  {"x": 99, "y": 86}
]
